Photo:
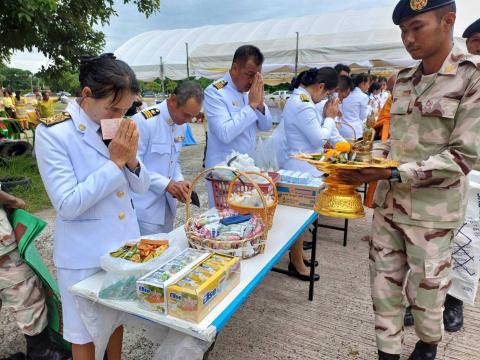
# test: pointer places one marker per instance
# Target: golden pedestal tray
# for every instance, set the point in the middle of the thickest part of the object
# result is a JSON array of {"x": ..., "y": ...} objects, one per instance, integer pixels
[{"x": 341, "y": 199}]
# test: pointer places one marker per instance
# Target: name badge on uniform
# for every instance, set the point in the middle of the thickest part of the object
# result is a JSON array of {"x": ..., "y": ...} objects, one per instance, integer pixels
[{"x": 179, "y": 138}]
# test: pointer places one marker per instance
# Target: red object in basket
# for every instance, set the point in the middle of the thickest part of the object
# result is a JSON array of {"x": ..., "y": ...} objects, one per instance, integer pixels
[{"x": 220, "y": 188}]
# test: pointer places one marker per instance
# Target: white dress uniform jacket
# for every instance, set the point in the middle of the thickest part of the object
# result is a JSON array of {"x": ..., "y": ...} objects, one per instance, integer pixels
[
  {"x": 232, "y": 123},
  {"x": 305, "y": 130},
  {"x": 355, "y": 111},
  {"x": 159, "y": 149},
  {"x": 383, "y": 98},
  {"x": 91, "y": 195}
]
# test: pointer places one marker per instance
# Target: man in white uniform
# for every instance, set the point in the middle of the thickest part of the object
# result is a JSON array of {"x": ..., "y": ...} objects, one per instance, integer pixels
[
  {"x": 235, "y": 108},
  {"x": 162, "y": 131}
]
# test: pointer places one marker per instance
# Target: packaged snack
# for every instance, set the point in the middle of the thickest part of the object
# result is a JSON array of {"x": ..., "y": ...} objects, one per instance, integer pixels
[
  {"x": 193, "y": 303},
  {"x": 151, "y": 287},
  {"x": 141, "y": 252}
]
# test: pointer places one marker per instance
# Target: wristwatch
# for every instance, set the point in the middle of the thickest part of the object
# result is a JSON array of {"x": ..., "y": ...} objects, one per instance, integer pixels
[{"x": 395, "y": 177}]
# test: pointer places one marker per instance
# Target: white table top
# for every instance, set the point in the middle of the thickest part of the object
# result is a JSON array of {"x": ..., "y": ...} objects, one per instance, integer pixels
[{"x": 288, "y": 224}]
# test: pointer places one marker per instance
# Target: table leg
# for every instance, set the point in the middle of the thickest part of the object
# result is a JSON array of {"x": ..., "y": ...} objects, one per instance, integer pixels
[
  {"x": 210, "y": 349},
  {"x": 345, "y": 233},
  {"x": 312, "y": 260}
]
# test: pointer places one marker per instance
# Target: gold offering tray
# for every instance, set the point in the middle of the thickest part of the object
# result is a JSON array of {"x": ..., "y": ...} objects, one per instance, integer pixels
[
  {"x": 327, "y": 166},
  {"x": 341, "y": 199}
]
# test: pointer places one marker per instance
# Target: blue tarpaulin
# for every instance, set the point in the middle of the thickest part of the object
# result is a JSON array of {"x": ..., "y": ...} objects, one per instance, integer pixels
[{"x": 189, "y": 139}]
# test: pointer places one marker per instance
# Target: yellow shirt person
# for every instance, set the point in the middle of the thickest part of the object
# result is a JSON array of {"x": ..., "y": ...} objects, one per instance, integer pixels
[{"x": 46, "y": 106}]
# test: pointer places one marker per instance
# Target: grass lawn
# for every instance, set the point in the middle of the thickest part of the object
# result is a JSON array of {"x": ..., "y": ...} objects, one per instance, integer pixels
[
  {"x": 58, "y": 106},
  {"x": 35, "y": 195}
]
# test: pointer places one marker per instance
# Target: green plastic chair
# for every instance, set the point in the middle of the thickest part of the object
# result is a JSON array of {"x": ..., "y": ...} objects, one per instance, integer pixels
[
  {"x": 13, "y": 129},
  {"x": 27, "y": 227}
]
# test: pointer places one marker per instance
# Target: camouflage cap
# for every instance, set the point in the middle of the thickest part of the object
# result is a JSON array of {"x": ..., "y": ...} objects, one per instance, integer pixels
[
  {"x": 407, "y": 8},
  {"x": 472, "y": 29}
]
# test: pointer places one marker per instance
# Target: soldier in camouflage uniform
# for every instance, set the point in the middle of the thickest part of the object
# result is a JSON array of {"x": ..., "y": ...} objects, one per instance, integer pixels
[
  {"x": 453, "y": 312},
  {"x": 21, "y": 290},
  {"x": 434, "y": 135}
]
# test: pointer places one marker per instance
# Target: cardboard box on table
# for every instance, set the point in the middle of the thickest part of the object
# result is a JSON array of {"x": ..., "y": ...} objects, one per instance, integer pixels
[
  {"x": 152, "y": 288},
  {"x": 297, "y": 195},
  {"x": 193, "y": 303}
]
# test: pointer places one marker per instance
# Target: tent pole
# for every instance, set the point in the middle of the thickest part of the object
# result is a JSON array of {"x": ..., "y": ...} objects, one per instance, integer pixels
[
  {"x": 188, "y": 68},
  {"x": 162, "y": 77},
  {"x": 296, "y": 57}
]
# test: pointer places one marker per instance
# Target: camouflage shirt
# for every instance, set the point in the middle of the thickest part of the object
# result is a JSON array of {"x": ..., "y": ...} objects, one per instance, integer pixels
[
  {"x": 7, "y": 236},
  {"x": 435, "y": 135}
]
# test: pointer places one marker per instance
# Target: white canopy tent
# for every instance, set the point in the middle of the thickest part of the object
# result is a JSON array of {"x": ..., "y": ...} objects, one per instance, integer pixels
[{"x": 365, "y": 38}]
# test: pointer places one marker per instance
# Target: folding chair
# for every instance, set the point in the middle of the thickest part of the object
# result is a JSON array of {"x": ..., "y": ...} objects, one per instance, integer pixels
[{"x": 27, "y": 227}]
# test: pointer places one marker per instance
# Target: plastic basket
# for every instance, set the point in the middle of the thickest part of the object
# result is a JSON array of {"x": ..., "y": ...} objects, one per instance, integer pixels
[{"x": 220, "y": 187}]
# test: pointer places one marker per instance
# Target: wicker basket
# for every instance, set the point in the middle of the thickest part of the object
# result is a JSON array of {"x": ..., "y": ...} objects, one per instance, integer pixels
[
  {"x": 245, "y": 248},
  {"x": 220, "y": 188},
  {"x": 265, "y": 213}
]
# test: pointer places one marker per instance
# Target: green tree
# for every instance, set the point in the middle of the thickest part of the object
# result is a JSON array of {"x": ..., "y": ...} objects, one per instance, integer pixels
[
  {"x": 60, "y": 29},
  {"x": 16, "y": 79},
  {"x": 150, "y": 86},
  {"x": 61, "y": 79}
]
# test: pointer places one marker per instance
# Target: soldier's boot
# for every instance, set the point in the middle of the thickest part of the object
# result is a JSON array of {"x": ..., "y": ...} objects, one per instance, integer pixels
[
  {"x": 385, "y": 356},
  {"x": 423, "y": 351},
  {"x": 408, "y": 318},
  {"x": 453, "y": 314},
  {"x": 40, "y": 347},
  {"x": 16, "y": 356}
]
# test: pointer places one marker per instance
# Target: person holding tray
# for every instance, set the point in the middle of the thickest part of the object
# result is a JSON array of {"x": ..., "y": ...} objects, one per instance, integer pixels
[
  {"x": 435, "y": 138},
  {"x": 89, "y": 182}
]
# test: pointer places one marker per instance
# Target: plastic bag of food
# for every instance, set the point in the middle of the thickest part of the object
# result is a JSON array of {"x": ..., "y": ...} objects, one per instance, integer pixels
[
  {"x": 270, "y": 151},
  {"x": 132, "y": 260}
]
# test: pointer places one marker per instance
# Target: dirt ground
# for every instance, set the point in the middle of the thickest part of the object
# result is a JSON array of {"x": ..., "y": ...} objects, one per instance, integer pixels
[{"x": 277, "y": 321}]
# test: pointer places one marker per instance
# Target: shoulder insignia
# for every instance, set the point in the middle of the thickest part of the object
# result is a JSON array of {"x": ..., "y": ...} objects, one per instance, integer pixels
[
  {"x": 149, "y": 113},
  {"x": 56, "y": 119},
  {"x": 405, "y": 71},
  {"x": 304, "y": 98},
  {"x": 473, "y": 59},
  {"x": 220, "y": 84}
]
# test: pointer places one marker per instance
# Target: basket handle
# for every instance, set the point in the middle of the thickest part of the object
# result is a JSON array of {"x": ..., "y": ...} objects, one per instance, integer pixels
[
  {"x": 350, "y": 126},
  {"x": 195, "y": 182},
  {"x": 260, "y": 193}
]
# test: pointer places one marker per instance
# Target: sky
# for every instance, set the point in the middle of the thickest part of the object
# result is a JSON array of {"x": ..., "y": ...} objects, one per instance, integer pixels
[{"x": 175, "y": 14}]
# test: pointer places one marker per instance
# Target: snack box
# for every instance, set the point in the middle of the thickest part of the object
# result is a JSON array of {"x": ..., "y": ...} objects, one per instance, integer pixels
[
  {"x": 296, "y": 195},
  {"x": 197, "y": 293},
  {"x": 151, "y": 288}
]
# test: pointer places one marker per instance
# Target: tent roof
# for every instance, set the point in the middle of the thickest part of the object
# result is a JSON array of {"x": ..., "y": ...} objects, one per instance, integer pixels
[{"x": 366, "y": 37}]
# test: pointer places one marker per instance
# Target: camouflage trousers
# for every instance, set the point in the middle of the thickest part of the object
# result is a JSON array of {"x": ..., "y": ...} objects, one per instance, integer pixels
[
  {"x": 394, "y": 249},
  {"x": 22, "y": 291}
]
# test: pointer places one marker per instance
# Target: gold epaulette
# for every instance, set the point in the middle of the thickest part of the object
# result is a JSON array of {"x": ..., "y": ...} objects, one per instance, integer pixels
[
  {"x": 56, "y": 119},
  {"x": 220, "y": 84},
  {"x": 304, "y": 98},
  {"x": 149, "y": 113}
]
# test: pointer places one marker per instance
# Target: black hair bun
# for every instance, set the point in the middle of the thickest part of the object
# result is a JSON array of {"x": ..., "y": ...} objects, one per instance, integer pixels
[{"x": 88, "y": 59}]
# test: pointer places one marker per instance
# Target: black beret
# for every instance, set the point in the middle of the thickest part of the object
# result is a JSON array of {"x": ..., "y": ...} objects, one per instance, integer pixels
[
  {"x": 407, "y": 8},
  {"x": 472, "y": 29}
]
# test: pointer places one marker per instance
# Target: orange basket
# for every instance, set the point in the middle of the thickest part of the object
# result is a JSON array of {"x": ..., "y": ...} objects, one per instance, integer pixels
[
  {"x": 267, "y": 212},
  {"x": 220, "y": 187}
]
